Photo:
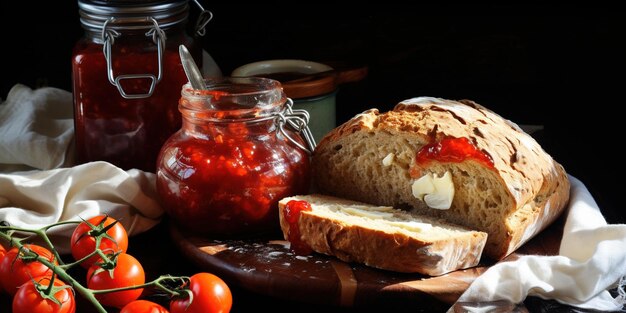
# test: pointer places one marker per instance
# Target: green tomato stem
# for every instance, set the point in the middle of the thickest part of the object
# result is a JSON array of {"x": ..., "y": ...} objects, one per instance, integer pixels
[
  {"x": 58, "y": 270},
  {"x": 87, "y": 293},
  {"x": 46, "y": 228},
  {"x": 42, "y": 233},
  {"x": 177, "y": 292},
  {"x": 4, "y": 236},
  {"x": 70, "y": 265},
  {"x": 155, "y": 283},
  {"x": 100, "y": 291}
]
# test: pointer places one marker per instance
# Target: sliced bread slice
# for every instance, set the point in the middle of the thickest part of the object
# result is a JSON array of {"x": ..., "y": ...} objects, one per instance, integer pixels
[{"x": 384, "y": 237}]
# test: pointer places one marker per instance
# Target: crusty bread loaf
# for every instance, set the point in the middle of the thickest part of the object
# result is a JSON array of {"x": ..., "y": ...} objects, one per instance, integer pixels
[
  {"x": 512, "y": 200},
  {"x": 383, "y": 237}
]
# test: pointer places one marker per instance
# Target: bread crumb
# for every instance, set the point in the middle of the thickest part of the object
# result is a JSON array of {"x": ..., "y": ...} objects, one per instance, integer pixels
[
  {"x": 388, "y": 159},
  {"x": 274, "y": 254}
]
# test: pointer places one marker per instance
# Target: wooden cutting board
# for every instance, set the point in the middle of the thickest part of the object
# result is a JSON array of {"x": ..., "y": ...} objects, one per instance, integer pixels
[{"x": 266, "y": 266}]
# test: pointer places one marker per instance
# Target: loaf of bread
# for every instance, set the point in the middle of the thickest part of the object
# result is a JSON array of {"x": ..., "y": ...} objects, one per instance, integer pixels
[
  {"x": 453, "y": 160},
  {"x": 384, "y": 237}
]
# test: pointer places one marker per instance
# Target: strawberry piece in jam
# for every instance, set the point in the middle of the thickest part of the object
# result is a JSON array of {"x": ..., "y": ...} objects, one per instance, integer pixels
[
  {"x": 451, "y": 149},
  {"x": 292, "y": 214}
]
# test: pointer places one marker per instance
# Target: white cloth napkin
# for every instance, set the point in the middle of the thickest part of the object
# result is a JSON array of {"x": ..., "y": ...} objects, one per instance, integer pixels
[
  {"x": 36, "y": 132},
  {"x": 38, "y": 198},
  {"x": 36, "y": 129},
  {"x": 592, "y": 259}
]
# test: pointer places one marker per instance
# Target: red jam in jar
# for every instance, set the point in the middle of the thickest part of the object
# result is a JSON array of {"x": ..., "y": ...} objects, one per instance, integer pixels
[
  {"x": 126, "y": 80},
  {"x": 225, "y": 170},
  {"x": 291, "y": 214},
  {"x": 452, "y": 149}
]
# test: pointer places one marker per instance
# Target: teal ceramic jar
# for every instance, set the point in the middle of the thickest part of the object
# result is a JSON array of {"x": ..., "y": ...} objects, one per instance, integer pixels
[{"x": 311, "y": 85}]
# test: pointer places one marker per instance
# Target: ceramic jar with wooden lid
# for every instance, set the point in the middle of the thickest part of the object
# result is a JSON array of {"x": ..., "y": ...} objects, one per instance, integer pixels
[{"x": 312, "y": 85}]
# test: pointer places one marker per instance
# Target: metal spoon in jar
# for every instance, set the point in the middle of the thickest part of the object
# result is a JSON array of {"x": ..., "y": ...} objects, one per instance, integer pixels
[{"x": 191, "y": 69}]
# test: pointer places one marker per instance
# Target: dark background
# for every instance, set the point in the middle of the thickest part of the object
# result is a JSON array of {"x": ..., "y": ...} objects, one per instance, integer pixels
[{"x": 558, "y": 66}]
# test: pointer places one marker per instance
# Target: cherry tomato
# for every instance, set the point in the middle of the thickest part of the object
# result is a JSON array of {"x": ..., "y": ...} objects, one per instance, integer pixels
[
  {"x": 29, "y": 300},
  {"x": 83, "y": 241},
  {"x": 3, "y": 251},
  {"x": 14, "y": 271},
  {"x": 128, "y": 272},
  {"x": 143, "y": 306},
  {"x": 210, "y": 295}
]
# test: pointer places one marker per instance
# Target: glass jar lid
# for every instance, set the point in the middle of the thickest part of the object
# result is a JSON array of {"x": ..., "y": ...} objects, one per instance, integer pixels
[
  {"x": 133, "y": 13},
  {"x": 246, "y": 99},
  {"x": 234, "y": 98}
]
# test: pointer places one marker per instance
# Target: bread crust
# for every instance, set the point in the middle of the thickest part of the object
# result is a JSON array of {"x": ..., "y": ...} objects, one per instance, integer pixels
[
  {"x": 389, "y": 251},
  {"x": 537, "y": 185}
]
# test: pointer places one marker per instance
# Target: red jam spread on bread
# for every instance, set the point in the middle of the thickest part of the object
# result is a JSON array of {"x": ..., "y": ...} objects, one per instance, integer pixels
[
  {"x": 451, "y": 149},
  {"x": 291, "y": 214}
]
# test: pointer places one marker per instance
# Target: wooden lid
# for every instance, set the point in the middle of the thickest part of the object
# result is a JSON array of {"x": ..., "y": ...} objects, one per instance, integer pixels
[
  {"x": 300, "y": 78},
  {"x": 310, "y": 86}
]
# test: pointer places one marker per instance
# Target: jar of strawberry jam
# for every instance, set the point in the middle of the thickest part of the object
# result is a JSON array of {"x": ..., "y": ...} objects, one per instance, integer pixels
[
  {"x": 239, "y": 151},
  {"x": 127, "y": 76}
]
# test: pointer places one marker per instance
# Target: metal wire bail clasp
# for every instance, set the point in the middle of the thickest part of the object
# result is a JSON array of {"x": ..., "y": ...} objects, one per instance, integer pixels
[
  {"x": 108, "y": 37},
  {"x": 203, "y": 19},
  {"x": 299, "y": 121}
]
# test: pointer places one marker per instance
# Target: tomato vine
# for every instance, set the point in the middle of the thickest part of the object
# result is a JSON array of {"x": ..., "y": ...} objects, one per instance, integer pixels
[{"x": 98, "y": 244}]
